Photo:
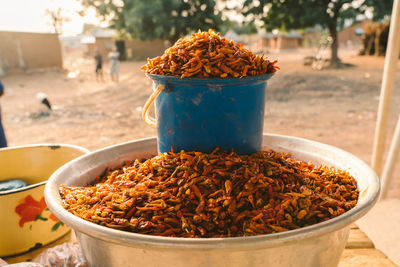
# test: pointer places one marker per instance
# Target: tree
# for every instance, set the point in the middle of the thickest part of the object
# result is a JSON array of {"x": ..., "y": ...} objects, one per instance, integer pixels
[
  {"x": 164, "y": 19},
  {"x": 300, "y": 14},
  {"x": 60, "y": 11},
  {"x": 57, "y": 18},
  {"x": 238, "y": 27}
]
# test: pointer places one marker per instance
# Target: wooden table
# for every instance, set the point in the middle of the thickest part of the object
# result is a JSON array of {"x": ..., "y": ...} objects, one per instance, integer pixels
[{"x": 359, "y": 252}]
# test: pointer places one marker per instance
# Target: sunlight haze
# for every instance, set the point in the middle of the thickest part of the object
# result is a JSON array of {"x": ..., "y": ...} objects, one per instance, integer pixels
[{"x": 30, "y": 16}]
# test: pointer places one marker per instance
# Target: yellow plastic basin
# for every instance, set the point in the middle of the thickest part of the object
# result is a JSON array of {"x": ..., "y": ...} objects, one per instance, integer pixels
[{"x": 25, "y": 220}]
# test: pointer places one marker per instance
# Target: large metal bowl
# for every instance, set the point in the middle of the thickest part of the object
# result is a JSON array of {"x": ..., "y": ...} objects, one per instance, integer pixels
[{"x": 318, "y": 245}]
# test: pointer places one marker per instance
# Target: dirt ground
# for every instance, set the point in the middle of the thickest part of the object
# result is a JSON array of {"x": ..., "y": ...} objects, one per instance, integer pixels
[{"x": 337, "y": 107}]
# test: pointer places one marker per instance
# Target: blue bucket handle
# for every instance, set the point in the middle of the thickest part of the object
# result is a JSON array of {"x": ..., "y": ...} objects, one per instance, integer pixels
[{"x": 146, "y": 108}]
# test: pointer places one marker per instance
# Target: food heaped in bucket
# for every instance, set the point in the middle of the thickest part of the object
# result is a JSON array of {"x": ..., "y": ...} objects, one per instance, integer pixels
[{"x": 209, "y": 92}]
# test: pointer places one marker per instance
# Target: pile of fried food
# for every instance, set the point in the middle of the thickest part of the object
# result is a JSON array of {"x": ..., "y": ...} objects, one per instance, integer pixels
[
  {"x": 218, "y": 194},
  {"x": 207, "y": 54}
]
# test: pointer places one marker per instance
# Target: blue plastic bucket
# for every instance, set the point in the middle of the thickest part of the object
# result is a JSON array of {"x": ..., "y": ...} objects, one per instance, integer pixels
[{"x": 196, "y": 114}]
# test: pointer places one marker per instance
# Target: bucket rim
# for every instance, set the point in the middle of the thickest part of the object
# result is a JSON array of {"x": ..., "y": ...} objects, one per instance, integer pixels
[{"x": 230, "y": 80}]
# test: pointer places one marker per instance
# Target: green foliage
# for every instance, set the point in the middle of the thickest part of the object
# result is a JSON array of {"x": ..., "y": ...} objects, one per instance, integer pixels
[
  {"x": 238, "y": 27},
  {"x": 244, "y": 27},
  {"x": 288, "y": 14},
  {"x": 299, "y": 14},
  {"x": 164, "y": 19},
  {"x": 381, "y": 8}
]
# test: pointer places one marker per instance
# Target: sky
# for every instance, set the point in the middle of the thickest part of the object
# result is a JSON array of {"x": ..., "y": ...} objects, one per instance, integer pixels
[{"x": 29, "y": 15}]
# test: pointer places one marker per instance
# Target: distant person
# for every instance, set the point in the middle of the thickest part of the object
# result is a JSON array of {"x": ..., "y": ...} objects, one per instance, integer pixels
[
  {"x": 3, "y": 141},
  {"x": 113, "y": 56},
  {"x": 99, "y": 66}
]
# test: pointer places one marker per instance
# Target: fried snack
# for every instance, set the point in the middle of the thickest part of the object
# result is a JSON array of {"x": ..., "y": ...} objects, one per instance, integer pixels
[
  {"x": 208, "y": 55},
  {"x": 222, "y": 194}
]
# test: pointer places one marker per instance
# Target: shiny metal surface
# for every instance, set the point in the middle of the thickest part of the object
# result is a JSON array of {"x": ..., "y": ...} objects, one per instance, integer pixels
[{"x": 317, "y": 245}]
